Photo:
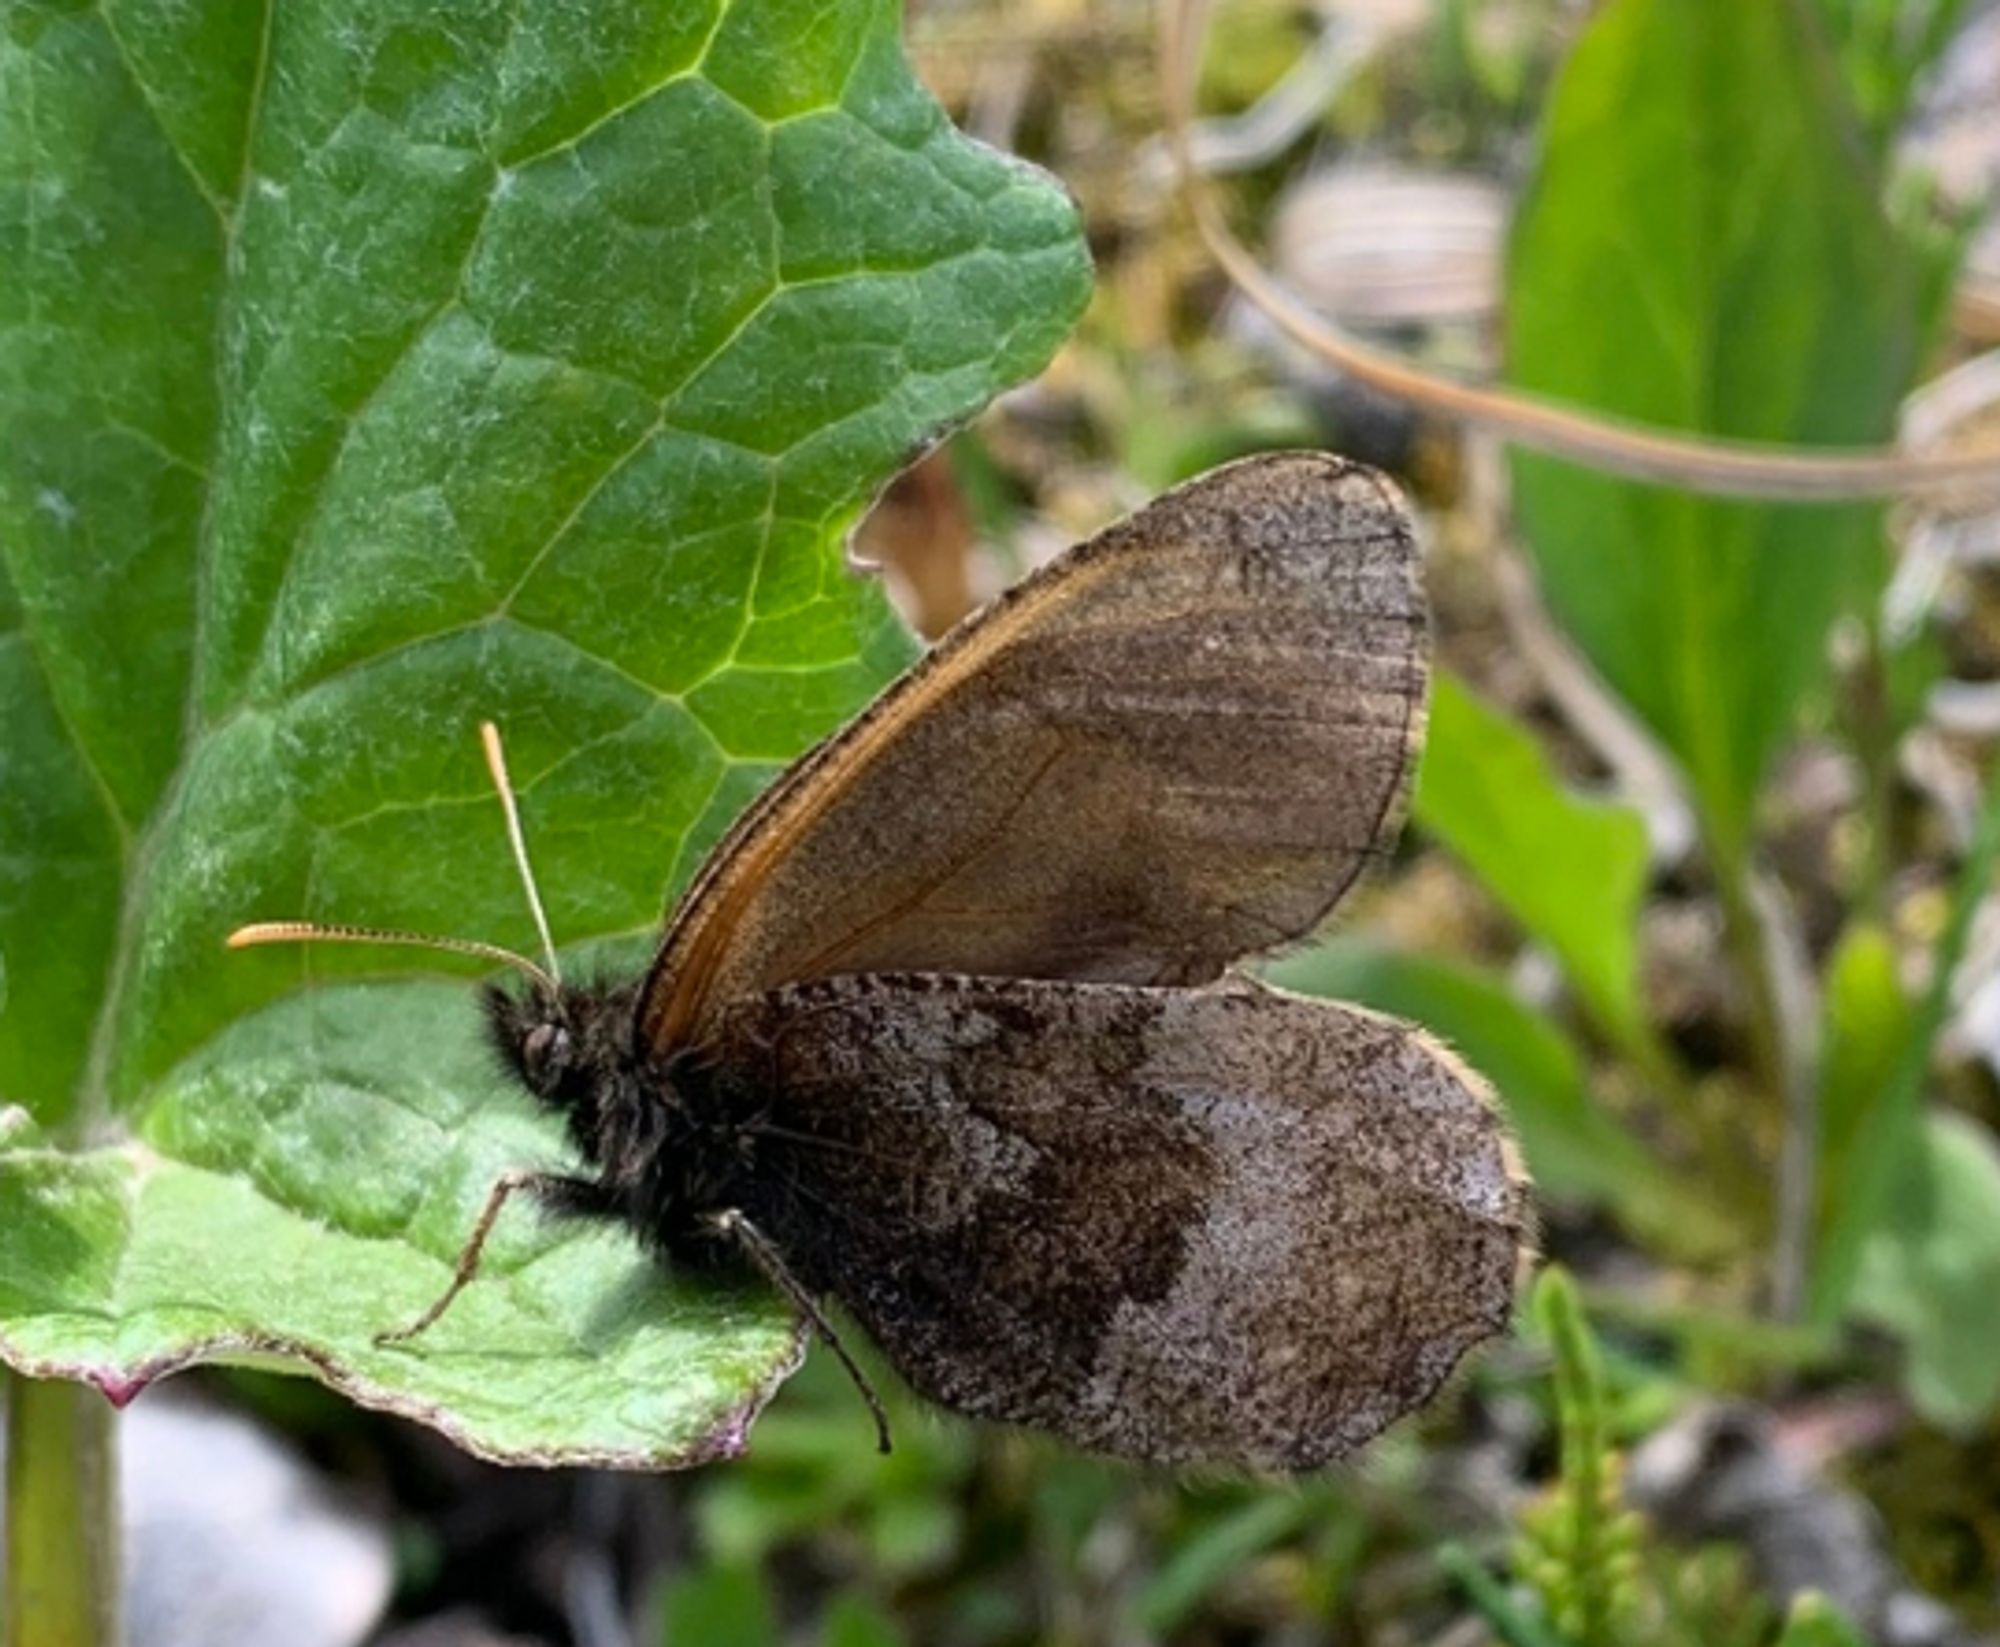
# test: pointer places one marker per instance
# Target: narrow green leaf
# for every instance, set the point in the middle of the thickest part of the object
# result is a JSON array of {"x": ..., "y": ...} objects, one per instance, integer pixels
[
  {"x": 481, "y": 361},
  {"x": 1511, "y": 1622},
  {"x": 1703, "y": 246},
  {"x": 1885, "y": 48},
  {"x": 1217, "y": 1551},
  {"x": 1885, "y": 1134},
  {"x": 1932, "y": 1272},
  {"x": 1572, "y": 871},
  {"x": 1866, "y": 1019}
]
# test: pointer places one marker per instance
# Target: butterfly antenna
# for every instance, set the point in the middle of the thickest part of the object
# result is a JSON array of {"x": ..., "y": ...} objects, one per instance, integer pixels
[
  {"x": 293, "y": 932},
  {"x": 496, "y": 763}
]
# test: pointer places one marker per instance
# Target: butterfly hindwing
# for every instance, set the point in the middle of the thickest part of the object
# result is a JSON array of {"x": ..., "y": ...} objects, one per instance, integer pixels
[
  {"x": 1178, "y": 1225},
  {"x": 1176, "y": 745}
]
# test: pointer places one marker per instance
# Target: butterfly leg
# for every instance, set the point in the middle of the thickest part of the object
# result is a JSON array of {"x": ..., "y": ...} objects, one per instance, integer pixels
[
  {"x": 770, "y": 1263},
  {"x": 507, "y": 1185}
]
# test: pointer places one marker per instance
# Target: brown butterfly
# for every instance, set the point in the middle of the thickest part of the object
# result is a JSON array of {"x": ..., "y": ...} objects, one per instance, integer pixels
[{"x": 944, "y": 1027}]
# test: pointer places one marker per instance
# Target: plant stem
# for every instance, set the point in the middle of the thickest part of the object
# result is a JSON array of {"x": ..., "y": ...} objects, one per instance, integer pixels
[
  {"x": 1864, "y": 716},
  {"x": 1872, "y": 732},
  {"x": 1784, "y": 1071},
  {"x": 62, "y": 1543}
]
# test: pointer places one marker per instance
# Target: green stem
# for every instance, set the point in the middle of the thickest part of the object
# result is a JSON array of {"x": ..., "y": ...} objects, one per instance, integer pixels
[
  {"x": 1782, "y": 1075},
  {"x": 62, "y": 1544},
  {"x": 1872, "y": 732},
  {"x": 1743, "y": 933}
]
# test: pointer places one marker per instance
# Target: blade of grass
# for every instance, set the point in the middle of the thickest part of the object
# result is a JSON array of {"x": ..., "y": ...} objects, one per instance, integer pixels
[
  {"x": 1885, "y": 1132},
  {"x": 1490, "y": 1600}
]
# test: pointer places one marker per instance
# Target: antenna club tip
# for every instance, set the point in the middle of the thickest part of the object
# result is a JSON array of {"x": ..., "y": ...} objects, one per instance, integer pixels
[{"x": 244, "y": 936}]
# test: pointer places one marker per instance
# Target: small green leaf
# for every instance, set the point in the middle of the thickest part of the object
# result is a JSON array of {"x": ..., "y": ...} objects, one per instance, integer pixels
[
  {"x": 1814, "y": 1621},
  {"x": 719, "y": 1604},
  {"x": 1704, "y": 247},
  {"x": 1866, "y": 1022},
  {"x": 1572, "y": 871},
  {"x": 1932, "y": 1272},
  {"x": 525, "y": 363},
  {"x": 852, "y": 1620}
]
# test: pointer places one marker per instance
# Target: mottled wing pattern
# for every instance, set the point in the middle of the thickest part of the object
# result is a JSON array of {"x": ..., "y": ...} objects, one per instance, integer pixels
[
  {"x": 1175, "y": 746},
  {"x": 1220, "y": 1225}
]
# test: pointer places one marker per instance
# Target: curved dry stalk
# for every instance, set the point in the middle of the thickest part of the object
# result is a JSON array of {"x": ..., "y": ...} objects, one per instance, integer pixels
[{"x": 1724, "y": 467}]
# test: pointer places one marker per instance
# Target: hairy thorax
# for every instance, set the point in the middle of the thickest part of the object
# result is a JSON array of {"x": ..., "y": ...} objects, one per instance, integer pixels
[{"x": 669, "y": 1142}]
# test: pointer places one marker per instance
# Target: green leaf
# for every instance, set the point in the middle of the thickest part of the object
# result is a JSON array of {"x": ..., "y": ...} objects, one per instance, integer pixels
[
  {"x": 1866, "y": 1024},
  {"x": 1572, "y": 871},
  {"x": 1814, "y": 1621},
  {"x": 240, "y": 1220},
  {"x": 1885, "y": 47},
  {"x": 853, "y": 1620},
  {"x": 719, "y": 1604},
  {"x": 1883, "y": 1131},
  {"x": 1932, "y": 1271},
  {"x": 814, "y": 1468},
  {"x": 1703, "y": 247},
  {"x": 1574, "y": 1147},
  {"x": 1512, "y": 1623},
  {"x": 481, "y": 361},
  {"x": 1218, "y": 1551}
]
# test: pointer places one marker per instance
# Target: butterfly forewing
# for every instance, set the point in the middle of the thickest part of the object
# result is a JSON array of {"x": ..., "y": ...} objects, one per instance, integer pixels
[
  {"x": 1222, "y": 1225},
  {"x": 1175, "y": 746}
]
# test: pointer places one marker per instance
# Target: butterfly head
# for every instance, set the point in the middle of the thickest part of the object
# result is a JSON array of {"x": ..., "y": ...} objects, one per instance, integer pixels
[
  {"x": 572, "y": 1048},
  {"x": 565, "y": 1044}
]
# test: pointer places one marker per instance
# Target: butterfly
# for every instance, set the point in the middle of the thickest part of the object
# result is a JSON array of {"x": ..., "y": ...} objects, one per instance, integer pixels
[{"x": 945, "y": 1028}]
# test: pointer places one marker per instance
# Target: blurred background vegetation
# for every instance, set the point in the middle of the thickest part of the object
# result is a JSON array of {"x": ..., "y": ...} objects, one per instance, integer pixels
[{"x": 1699, "y": 872}]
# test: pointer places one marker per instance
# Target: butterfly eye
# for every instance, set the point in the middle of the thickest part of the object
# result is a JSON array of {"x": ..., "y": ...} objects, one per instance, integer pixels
[{"x": 545, "y": 1046}]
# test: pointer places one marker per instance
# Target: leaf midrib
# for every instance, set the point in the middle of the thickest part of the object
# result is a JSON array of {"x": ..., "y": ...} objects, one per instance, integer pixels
[
  {"x": 91, "y": 1108},
  {"x": 139, "y": 843}
]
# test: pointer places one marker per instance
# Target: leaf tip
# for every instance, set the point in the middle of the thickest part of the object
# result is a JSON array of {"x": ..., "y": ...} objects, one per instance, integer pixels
[{"x": 120, "y": 1391}]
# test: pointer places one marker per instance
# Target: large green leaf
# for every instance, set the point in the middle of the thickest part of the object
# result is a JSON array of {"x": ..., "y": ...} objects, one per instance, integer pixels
[
  {"x": 1571, "y": 870},
  {"x": 368, "y": 369},
  {"x": 1703, "y": 247}
]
